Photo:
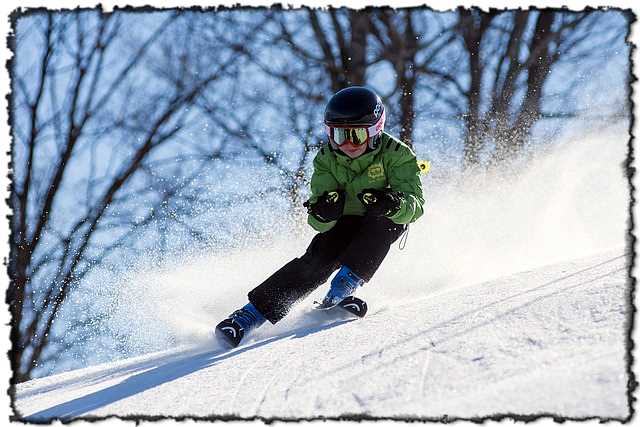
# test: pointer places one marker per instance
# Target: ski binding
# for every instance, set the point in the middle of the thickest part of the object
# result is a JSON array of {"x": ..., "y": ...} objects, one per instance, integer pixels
[{"x": 351, "y": 304}]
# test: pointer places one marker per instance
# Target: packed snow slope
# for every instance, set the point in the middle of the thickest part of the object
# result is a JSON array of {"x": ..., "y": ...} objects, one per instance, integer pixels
[
  {"x": 511, "y": 296},
  {"x": 549, "y": 340}
]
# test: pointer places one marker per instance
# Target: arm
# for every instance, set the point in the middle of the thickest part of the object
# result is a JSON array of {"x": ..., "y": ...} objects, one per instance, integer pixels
[
  {"x": 322, "y": 180},
  {"x": 404, "y": 176}
]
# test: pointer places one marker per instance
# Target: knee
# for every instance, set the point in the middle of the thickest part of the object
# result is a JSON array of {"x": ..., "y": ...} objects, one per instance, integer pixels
[
  {"x": 384, "y": 227},
  {"x": 317, "y": 263}
]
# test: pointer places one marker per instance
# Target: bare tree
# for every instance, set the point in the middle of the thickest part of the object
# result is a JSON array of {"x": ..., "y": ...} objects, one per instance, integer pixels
[
  {"x": 337, "y": 48},
  {"x": 410, "y": 40},
  {"x": 85, "y": 135},
  {"x": 114, "y": 137},
  {"x": 345, "y": 60},
  {"x": 325, "y": 52},
  {"x": 510, "y": 57}
]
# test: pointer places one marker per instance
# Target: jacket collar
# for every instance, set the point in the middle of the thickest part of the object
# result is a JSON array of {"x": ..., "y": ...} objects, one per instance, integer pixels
[
  {"x": 361, "y": 163},
  {"x": 358, "y": 164}
]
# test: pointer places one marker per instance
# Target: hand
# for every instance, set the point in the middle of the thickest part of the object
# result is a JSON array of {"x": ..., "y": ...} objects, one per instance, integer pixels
[
  {"x": 328, "y": 207},
  {"x": 381, "y": 202}
]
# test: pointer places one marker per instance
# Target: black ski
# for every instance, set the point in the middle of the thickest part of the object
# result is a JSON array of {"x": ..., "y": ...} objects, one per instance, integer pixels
[{"x": 354, "y": 305}]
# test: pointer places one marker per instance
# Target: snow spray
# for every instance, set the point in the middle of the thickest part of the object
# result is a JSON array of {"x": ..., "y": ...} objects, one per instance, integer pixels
[{"x": 569, "y": 201}]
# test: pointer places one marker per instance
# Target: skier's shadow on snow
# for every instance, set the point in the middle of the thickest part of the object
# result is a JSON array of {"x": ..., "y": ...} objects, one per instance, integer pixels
[{"x": 159, "y": 375}]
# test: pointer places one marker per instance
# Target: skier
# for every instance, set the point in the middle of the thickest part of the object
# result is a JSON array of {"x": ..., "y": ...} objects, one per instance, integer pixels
[{"x": 365, "y": 189}]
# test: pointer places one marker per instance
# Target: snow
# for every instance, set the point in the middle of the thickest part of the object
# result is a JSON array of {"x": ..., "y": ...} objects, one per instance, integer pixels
[
  {"x": 549, "y": 340},
  {"x": 511, "y": 297}
]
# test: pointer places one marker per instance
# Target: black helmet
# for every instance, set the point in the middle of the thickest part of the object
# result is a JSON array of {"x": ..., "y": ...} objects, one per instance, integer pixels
[
  {"x": 354, "y": 114},
  {"x": 355, "y": 105}
]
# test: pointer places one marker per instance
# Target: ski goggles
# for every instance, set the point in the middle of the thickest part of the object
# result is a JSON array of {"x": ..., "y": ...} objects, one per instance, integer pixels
[
  {"x": 357, "y": 135},
  {"x": 339, "y": 136}
]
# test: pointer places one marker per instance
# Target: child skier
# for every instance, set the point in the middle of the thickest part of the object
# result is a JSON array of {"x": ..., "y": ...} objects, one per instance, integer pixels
[{"x": 365, "y": 188}]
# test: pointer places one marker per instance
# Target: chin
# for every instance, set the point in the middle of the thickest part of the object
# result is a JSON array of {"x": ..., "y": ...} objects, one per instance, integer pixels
[{"x": 354, "y": 154}]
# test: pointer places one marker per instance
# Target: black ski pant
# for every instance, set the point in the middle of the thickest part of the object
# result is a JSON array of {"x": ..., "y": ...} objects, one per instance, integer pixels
[{"x": 359, "y": 242}]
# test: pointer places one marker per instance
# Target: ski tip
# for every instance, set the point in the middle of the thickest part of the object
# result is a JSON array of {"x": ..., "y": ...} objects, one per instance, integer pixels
[
  {"x": 355, "y": 306},
  {"x": 228, "y": 334}
]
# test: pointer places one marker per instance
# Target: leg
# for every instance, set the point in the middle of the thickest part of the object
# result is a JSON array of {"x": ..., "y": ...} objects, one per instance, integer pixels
[
  {"x": 370, "y": 246},
  {"x": 301, "y": 276}
]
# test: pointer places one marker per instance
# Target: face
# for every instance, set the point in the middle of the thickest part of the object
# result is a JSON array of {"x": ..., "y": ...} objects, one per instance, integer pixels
[{"x": 352, "y": 150}]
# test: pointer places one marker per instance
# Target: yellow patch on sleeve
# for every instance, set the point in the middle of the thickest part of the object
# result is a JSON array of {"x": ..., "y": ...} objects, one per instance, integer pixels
[{"x": 424, "y": 166}]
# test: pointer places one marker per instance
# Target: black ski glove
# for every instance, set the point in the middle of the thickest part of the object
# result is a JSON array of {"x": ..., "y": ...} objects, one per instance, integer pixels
[
  {"x": 381, "y": 202},
  {"x": 328, "y": 207}
]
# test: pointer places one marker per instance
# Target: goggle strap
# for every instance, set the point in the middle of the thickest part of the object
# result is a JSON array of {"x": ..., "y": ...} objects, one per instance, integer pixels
[{"x": 378, "y": 127}]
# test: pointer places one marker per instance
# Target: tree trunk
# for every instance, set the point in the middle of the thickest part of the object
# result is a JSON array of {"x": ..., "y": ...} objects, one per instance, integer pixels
[
  {"x": 512, "y": 139},
  {"x": 407, "y": 82},
  {"x": 15, "y": 299},
  {"x": 536, "y": 78},
  {"x": 355, "y": 66},
  {"x": 472, "y": 32}
]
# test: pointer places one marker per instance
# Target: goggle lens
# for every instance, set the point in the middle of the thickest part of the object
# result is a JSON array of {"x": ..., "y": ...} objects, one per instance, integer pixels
[{"x": 357, "y": 136}]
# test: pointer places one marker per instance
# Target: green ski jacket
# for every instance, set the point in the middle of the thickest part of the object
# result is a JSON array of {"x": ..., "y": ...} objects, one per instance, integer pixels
[{"x": 392, "y": 164}]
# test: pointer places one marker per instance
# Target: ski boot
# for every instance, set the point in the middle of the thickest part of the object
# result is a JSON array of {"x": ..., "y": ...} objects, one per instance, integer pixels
[
  {"x": 345, "y": 283},
  {"x": 232, "y": 329}
]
